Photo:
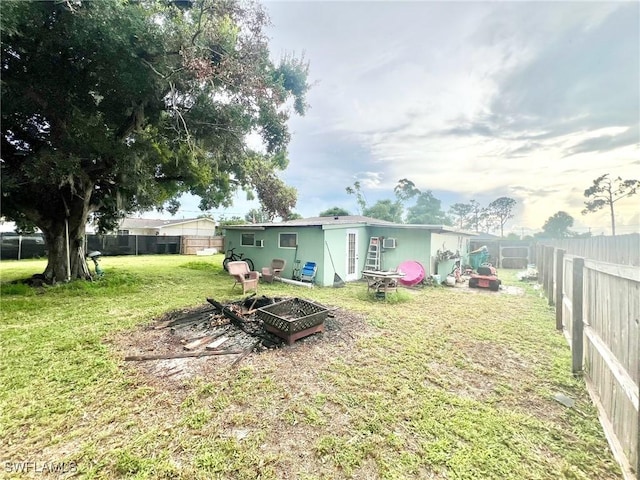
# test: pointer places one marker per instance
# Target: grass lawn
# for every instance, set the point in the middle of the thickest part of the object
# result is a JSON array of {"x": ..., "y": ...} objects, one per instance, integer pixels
[{"x": 437, "y": 383}]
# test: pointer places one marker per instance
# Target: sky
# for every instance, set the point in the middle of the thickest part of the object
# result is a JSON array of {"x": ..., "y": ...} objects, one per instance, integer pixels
[{"x": 471, "y": 100}]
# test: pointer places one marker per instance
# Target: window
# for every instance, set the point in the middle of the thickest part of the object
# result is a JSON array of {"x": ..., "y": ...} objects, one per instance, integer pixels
[
  {"x": 123, "y": 232},
  {"x": 248, "y": 239},
  {"x": 288, "y": 240}
]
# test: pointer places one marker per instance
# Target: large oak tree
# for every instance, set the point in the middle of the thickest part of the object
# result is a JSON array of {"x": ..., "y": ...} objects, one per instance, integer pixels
[{"x": 116, "y": 106}]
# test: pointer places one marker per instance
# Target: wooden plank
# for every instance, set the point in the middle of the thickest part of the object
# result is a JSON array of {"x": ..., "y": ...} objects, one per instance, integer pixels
[
  {"x": 621, "y": 346},
  {"x": 567, "y": 315},
  {"x": 162, "y": 325},
  {"x": 613, "y": 269},
  {"x": 548, "y": 273},
  {"x": 245, "y": 353},
  {"x": 614, "y": 443},
  {"x": 633, "y": 344},
  {"x": 567, "y": 287},
  {"x": 576, "y": 321},
  {"x": 559, "y": 286},
  {"x": 216, "y": 343},
  {"x": 167, "y": 356},
  {"x": 622, "y": 377},
  {"x": 198, "y": 342}
]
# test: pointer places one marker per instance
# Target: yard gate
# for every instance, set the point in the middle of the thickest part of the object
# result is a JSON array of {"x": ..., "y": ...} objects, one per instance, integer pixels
[{"x": 192, "y": 244}]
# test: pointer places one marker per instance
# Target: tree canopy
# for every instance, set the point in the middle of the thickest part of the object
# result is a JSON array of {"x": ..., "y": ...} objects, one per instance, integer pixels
[
  {"x": 427, "y": 211},
  {"x": 605, "y": 191},
  {"x": 558, "y": 225},
  {"x": 501, "y": 210},
  {"x": 405, "y": 190},
  {"x": 388, "y": 210},
  {"x": 112, "y": 107},
  {"x": 356, "y": 190},
  {"x": 256, "y": 216},
  {"x": 334, "y": 211},
  {"x": 462, "y": 213}
]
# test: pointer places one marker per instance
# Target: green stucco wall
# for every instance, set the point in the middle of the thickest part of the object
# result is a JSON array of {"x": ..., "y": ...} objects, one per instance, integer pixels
[
  {"x": 314, "y": 243},
  {"x": 311, "y": 248},
  {"x": 336, "y": 238},
  {"x": 411, "y": 244},
  {"x": 310, "y": 241}
]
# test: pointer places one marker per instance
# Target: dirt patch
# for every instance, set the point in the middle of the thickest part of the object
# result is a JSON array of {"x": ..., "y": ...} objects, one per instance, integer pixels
[
  {"x": 489, "y": 372},
  {"x": 170, "y": 334}
]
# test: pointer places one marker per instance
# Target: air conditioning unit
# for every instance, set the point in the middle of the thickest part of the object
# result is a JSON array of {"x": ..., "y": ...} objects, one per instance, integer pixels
[
  {"x": 389, "y": 243},
  {"x": 259, "y": 243}
]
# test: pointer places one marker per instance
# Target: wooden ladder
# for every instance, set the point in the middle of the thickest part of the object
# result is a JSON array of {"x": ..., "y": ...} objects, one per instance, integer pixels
[{"x": 373, "y": 254}]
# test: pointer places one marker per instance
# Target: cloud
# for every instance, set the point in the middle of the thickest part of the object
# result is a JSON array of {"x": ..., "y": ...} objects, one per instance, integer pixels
[
  {"x": 470, "y": 100},
  {"x": 604, "y": 143},
  {"x": 583, "y": 77}
]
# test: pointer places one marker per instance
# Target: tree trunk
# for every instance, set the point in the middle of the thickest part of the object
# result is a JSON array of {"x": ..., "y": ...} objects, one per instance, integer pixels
[
  {"x": 62, "y": 266},
  {"x": 67, "y": 231},
  {"x": 613, "y": 219}
]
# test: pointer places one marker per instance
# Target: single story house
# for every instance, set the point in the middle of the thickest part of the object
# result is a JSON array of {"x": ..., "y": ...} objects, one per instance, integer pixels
[
  {"x": 203, "y": 226},
  {"x": 342, "y": 242}
]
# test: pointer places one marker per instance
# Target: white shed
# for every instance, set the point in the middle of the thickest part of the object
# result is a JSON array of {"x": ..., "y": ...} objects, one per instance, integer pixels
[{"x": 183, "y": 227}]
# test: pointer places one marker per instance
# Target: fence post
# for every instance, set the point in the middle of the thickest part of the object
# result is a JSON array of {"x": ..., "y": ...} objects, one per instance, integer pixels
[
  {"x": 577, "y": 342},
  {"x": 540, "y": 261},
  {"x": 559, "y": 286},
  {"x": 549, "y": 269}
]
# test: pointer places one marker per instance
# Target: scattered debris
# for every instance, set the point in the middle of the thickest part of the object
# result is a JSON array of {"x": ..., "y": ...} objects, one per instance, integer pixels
[
  {"x": 197, "y": 342},
  {"x": 241, "y": 334},
  {"x": 531, "y": 273},
  {"x": 245, "y": 353},
  {"x": 217, "y": 343},
  {"x": 564, "y": 400},
  {"x": 240, "y": 326},
  {"x": 181, "y": 355},
  {"x": 240, "y": 433}
]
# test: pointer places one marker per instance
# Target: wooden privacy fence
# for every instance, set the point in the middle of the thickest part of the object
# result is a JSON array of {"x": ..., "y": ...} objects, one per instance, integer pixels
[
  {"x": 621, "y": 249},
  {"x": 192, "y": 243},
  {"x": 598, "y": 310}
]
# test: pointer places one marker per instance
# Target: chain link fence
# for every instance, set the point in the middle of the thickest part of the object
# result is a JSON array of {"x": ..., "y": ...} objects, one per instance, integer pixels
[{"x": 18, "y": 247}]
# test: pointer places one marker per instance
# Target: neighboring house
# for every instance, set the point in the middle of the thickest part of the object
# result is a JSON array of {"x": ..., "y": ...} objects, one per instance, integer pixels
[
  {"x": 347, "y": 239},
  {"x": 187, "y": 226}
]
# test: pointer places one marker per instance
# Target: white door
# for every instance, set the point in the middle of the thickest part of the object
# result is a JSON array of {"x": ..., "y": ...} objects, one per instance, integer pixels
[{"x": 352, "y": 256}]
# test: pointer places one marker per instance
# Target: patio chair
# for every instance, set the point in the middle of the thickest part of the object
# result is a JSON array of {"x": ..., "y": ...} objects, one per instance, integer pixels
[
  {"x": 274, "y": 270},
  {"x": 240, "y": 271},
  {"x": 308, "y": 273}
]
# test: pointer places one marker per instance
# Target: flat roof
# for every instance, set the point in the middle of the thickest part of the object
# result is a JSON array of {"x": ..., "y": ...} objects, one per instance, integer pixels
[{"x": 347, "y": 220}]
